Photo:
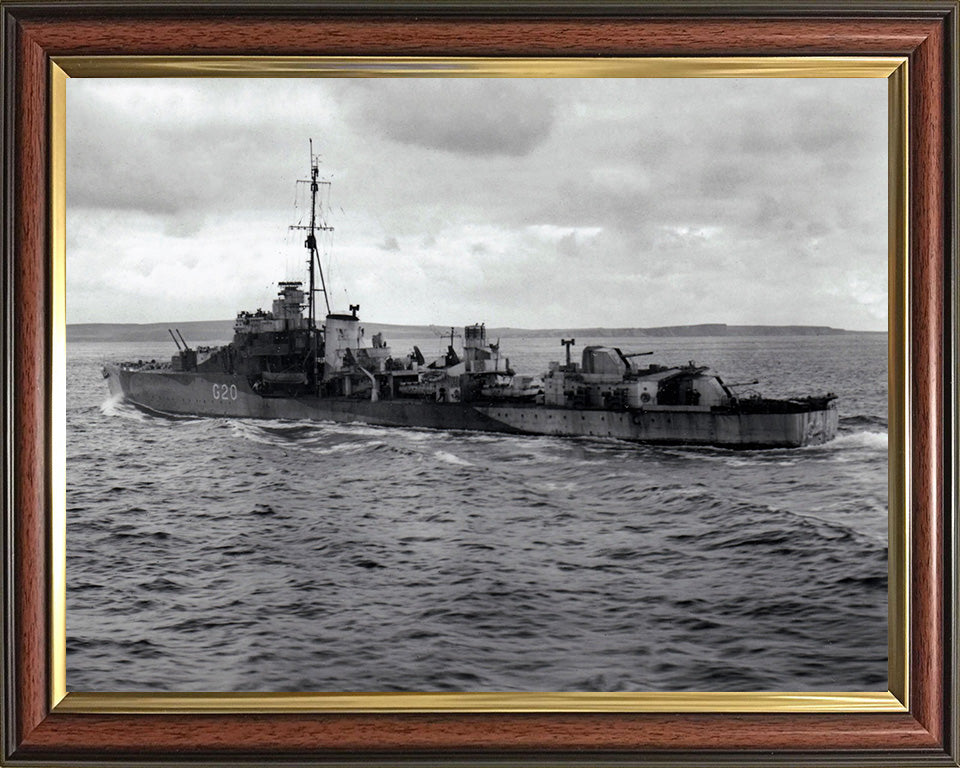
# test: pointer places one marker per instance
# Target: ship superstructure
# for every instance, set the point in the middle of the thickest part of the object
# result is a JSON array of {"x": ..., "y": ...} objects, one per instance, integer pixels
[{"x": 281, "y": 363}]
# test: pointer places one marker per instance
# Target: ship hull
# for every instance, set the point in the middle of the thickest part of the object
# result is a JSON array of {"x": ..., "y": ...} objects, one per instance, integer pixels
[{"x": 225, "y": 395}]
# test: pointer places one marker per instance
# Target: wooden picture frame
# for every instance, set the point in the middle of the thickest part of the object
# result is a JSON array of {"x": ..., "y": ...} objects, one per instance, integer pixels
[{"x": 39, "y": 729}]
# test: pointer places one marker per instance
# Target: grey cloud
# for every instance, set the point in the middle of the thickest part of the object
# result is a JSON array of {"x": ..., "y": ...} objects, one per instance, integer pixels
[
  {"x": 479, "y": 117},
  {"x": 827, "y": 130},
  {"x": 584, "y": 202},
  {"x": 113, "y": 169},
  {"x": 768, "y": 208},
  {"x": 569, "y": 246},
  {"x": 754, "y": 139},
  {"x": 724, "y": 178},
  {"x": 686, "y": 182},
  {"x": 148, "y": 171},
  {"x": 134, "y": 158},
  {"x": 187, "y": 225}
]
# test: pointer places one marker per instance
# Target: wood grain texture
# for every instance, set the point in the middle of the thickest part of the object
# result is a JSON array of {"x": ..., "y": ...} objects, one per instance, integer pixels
[
  {"x": 919, "y": 734},
  {"x": 427, "y": 37},
  {"x": 486, "y": 733},
  {"x": 30, "y": 495},
  {"x": 927, "y": 311}
]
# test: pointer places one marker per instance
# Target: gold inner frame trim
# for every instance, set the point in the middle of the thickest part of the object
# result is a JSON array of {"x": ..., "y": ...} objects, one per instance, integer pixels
[
  {"x": 58, "y": 383},
  {"x": 899, "y": 515},
  {"x": 894, "y": 69},
  {"x": 385, "y": 703},
  {"x": 430, "y": 66}
]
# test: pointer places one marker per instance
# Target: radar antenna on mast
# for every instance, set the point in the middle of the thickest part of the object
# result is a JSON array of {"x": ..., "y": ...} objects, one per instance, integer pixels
[{"x": 316, "y": 223}]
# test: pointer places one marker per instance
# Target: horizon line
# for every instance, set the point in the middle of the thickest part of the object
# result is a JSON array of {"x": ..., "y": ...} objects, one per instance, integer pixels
[{"x": 518, "y": 327}]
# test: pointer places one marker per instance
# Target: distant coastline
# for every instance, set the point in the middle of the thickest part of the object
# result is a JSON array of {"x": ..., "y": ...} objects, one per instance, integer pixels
[{"x": 222, "y": 330}]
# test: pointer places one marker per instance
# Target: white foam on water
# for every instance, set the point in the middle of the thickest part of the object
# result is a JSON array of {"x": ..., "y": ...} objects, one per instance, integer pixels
[
  {"x": 115, "y": 405},
  {"x": 552, "y": 487},
  {"x": 254, "y": 432},
  {"x": 110, "y": 406},
  {"x": 488, "y": 437},
  {"x": 449, "y": 458},
  {"x": 248, "y": 431},
  {"x": 416, "y": 436},
  {"x": 358, "y": 429},
  {"x": 290, "y": 436},
  {"x": 873, "y": 440}
]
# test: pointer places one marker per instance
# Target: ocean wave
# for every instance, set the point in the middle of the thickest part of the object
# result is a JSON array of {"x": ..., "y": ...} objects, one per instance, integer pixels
[
  {"x": 554, "y": 487},
  {"x": 308, "y": 555},
  {"x": 319, "y": 439},
  {"x": 355, "y": 428},
  {"x": 288, "y": 430},
  {"x": 355, "y": 447},
  {"x": 449, "y": 458},
  {"x": 115, "y": 405},
  {"x": 861, "y": 422},
  {"x": 873, "y": 440},
  {"x": 246, "y": 430}
]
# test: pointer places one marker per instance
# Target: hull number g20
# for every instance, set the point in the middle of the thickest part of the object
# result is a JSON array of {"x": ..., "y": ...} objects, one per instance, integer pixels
[{"x": 224, "y": 392}]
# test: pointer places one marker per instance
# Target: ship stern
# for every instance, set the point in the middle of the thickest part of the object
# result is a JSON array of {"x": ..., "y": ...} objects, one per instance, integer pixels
[{"x": 819, "y": 426}]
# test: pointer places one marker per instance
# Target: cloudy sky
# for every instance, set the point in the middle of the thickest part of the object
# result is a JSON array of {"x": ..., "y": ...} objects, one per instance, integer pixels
[{"x": 528, "y": 203}]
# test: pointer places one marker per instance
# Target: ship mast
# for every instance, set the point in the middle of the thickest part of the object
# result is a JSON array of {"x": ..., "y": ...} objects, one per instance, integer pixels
[{"x": 313, "y": 261}]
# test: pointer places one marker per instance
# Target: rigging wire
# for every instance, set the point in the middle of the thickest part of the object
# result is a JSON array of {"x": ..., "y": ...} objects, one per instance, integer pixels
[{"x": 328, "y": 243}]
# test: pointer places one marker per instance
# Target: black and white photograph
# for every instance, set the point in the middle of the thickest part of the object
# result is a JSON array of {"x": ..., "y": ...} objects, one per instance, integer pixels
[{"x": 441, "y": 384}]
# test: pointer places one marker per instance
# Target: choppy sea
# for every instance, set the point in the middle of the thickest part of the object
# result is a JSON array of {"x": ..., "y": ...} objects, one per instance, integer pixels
[{"x": 238, "y": 555}]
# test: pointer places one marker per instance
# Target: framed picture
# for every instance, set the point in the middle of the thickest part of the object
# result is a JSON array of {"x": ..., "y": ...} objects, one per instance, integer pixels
[{"x": 791, "y": 172}]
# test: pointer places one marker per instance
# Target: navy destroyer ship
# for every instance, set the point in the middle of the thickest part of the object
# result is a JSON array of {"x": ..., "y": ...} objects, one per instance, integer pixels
[{"x": 282, "y": 364}]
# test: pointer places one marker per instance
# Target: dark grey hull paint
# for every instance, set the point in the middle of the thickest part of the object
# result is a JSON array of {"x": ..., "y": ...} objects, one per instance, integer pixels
[{"x": 224, "y": 395}]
